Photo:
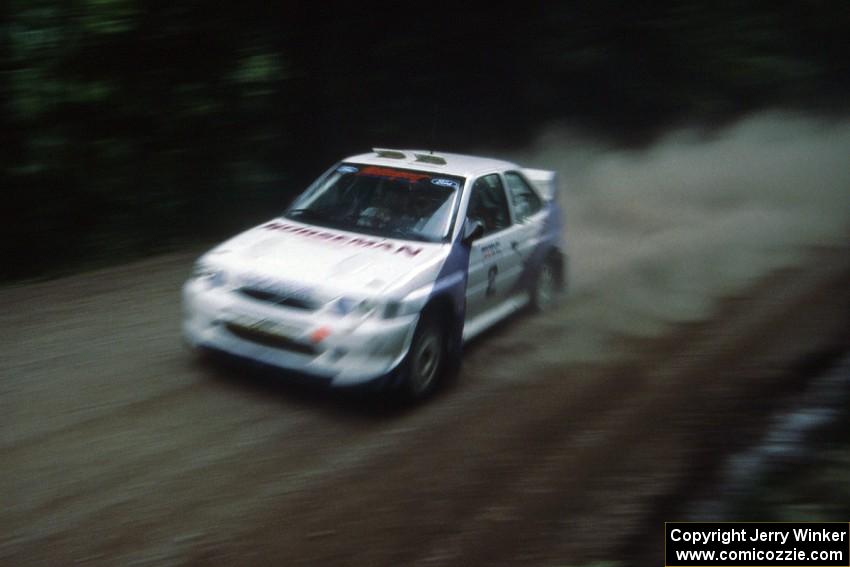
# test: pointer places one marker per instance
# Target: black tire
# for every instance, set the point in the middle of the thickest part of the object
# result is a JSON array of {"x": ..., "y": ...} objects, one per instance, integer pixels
[
  {"x": 426, "y": 361},
  {"x": 547, "y": 286}
]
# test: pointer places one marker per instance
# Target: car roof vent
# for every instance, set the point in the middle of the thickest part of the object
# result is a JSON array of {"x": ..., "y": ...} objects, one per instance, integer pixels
[
  {"x": 392, "y": 154},
  {"x": 430, "y": 158}
]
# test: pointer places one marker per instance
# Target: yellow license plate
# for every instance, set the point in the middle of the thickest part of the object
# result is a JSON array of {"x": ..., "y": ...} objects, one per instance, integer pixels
[{"x": 265, "y": 326}]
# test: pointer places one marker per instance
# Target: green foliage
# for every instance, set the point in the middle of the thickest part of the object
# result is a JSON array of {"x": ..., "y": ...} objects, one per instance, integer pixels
[
  {"x": 108, "y": 16},
  {"x": 129, "y": 125}
]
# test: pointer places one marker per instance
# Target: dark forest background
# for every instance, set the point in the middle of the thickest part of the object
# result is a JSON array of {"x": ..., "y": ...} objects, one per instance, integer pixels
[{"x": 130, "y": 127}]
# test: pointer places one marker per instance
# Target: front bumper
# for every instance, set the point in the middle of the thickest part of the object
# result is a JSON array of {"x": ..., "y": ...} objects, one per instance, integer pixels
[{"x": 351, "y": 351}]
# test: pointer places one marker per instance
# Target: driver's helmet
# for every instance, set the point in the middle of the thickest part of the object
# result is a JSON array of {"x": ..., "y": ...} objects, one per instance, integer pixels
[{"x": 373, "y": 217}]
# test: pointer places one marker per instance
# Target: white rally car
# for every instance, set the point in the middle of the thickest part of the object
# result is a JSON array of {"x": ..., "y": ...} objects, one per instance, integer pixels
[{"x": 382, "y": 269}]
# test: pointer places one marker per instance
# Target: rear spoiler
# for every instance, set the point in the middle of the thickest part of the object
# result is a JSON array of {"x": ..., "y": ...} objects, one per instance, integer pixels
[{"x": 545, "y": 181}]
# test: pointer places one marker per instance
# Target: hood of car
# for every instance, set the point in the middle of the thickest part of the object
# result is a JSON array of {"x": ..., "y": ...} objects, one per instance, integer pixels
[{"x": 337, "y": 262}]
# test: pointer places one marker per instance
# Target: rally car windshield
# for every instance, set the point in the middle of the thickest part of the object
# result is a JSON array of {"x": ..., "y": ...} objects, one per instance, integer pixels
[{"x": 381, "y": 201}]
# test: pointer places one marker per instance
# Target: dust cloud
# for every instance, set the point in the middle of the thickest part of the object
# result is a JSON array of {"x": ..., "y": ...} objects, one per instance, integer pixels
[{"x": 657, "y": 235}]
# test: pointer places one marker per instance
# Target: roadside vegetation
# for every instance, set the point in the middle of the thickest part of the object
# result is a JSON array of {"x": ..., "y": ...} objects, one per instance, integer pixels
[
  {"x": 815, "y": 489},
  {"x": 133, "y": 127}
]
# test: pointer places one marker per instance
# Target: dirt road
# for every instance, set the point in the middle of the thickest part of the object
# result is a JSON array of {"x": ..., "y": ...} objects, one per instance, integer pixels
[{"x": 118, "y": 448}]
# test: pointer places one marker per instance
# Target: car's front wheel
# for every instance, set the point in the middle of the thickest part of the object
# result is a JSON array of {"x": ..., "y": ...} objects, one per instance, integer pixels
[{"x": 425, "y": 360}]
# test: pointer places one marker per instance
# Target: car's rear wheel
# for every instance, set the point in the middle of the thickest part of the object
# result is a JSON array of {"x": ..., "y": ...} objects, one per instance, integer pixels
[
  {"x": 546, "y": 288},
  {"x": 425, "y": 360}
]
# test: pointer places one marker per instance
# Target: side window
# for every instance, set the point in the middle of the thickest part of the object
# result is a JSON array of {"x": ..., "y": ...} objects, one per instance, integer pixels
[
  {"x": 488, "y": 204},
  {"x": 523, "y": 198}
]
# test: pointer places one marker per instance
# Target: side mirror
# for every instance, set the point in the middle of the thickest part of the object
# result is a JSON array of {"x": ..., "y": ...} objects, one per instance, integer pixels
[{"x": 472, "y": 230}]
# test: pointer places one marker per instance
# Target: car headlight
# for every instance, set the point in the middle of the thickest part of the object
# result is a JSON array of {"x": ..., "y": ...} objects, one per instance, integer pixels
[
  {"x": 367, "y": 307},
  {"x": 359, "y": 307},
  {"x": 212, "y": 276}
]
